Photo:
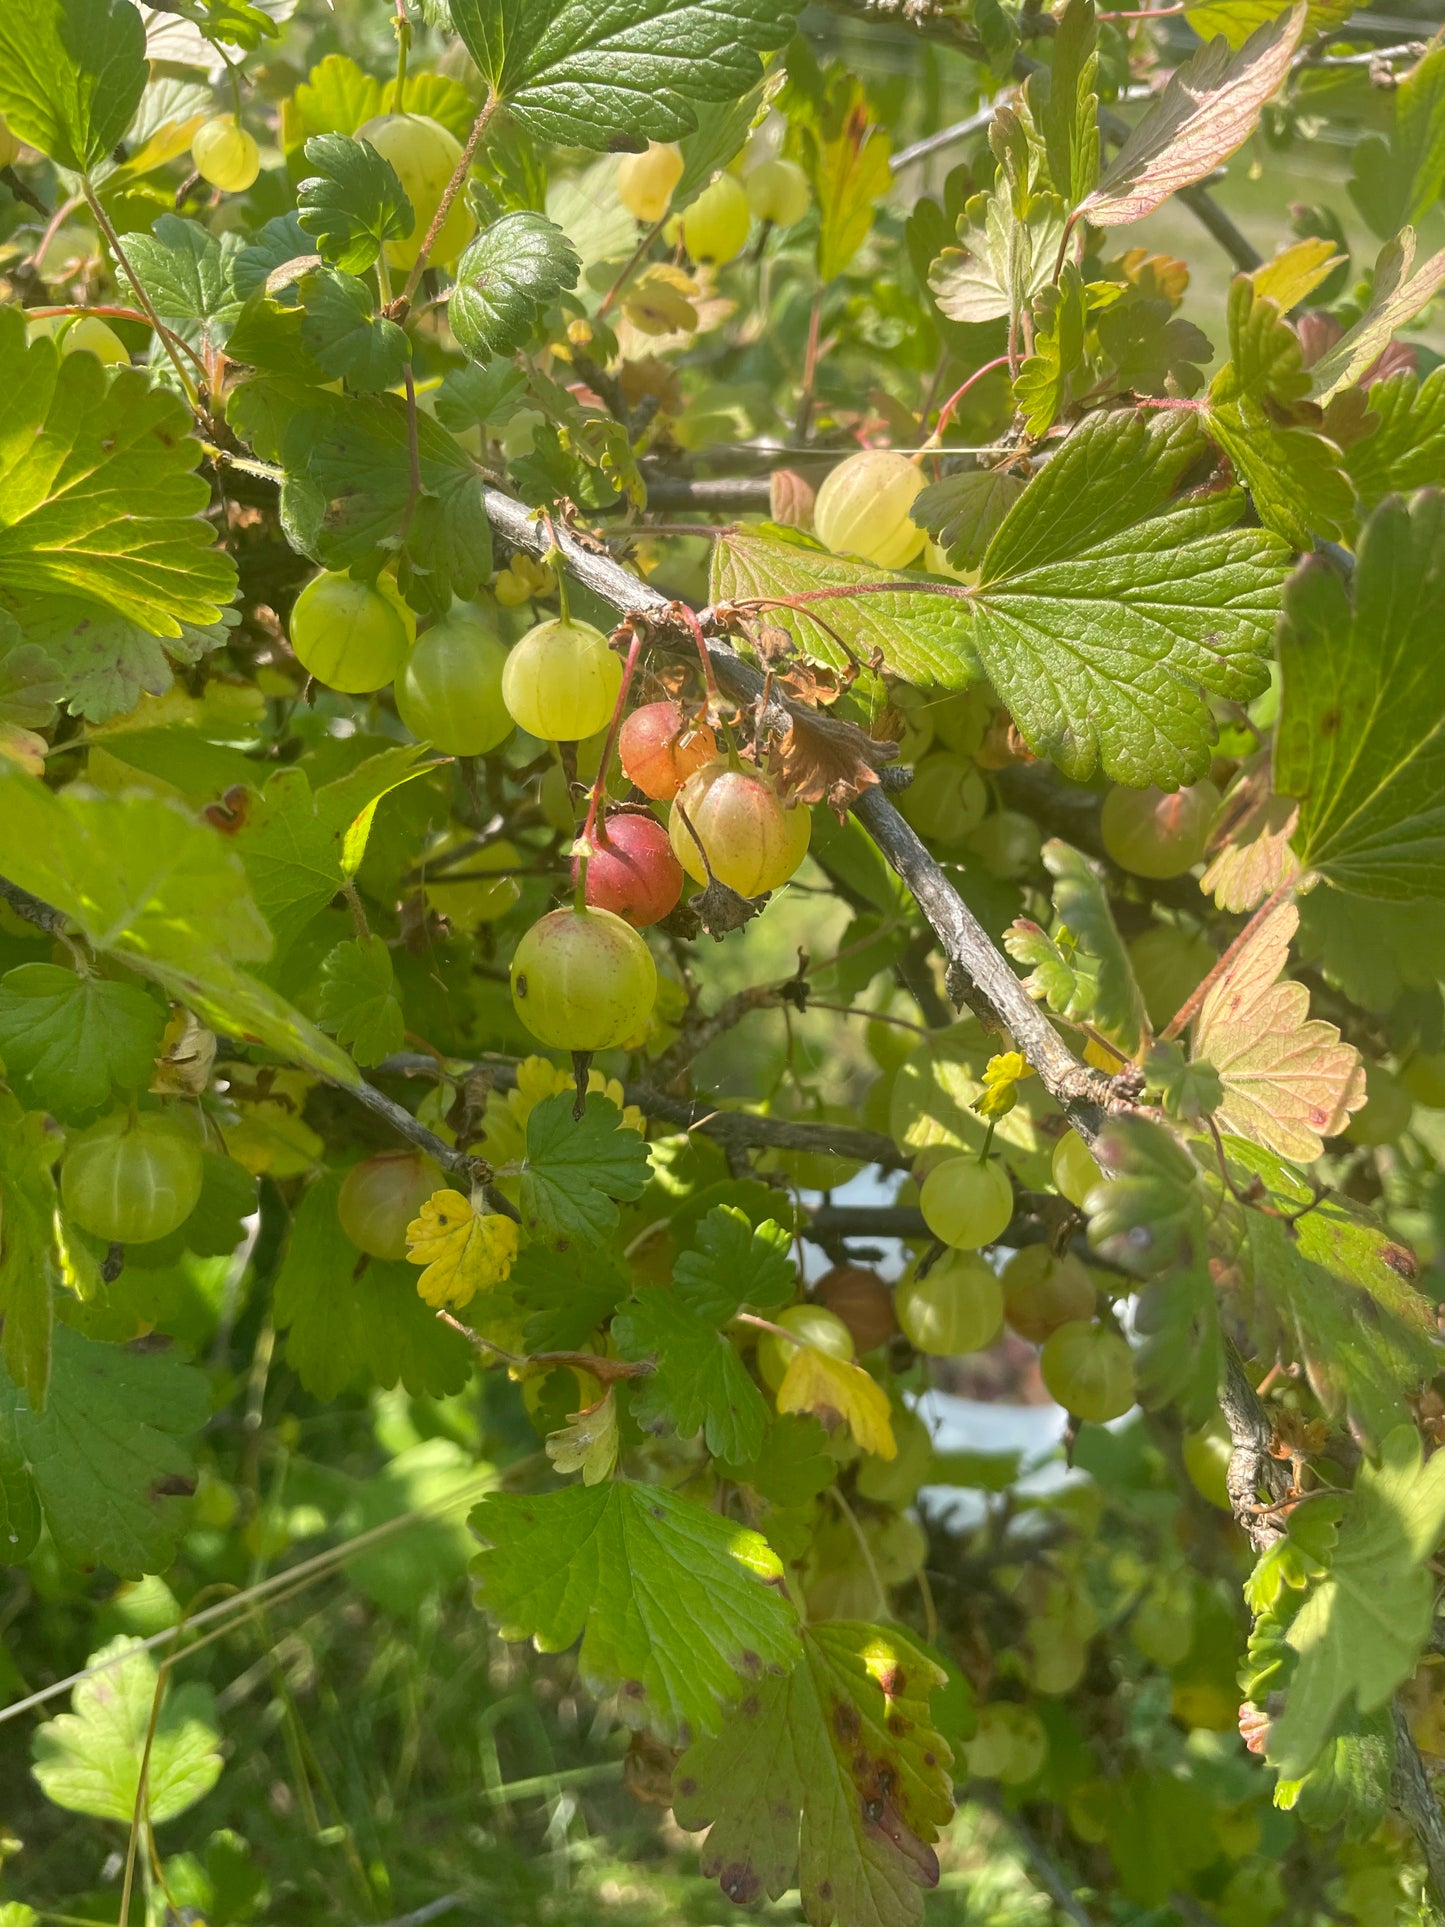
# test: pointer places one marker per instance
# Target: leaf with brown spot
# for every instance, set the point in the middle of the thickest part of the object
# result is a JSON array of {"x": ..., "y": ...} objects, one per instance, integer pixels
[
  {"x": 1289, "y": 1079},
  {"x": 816, "y": 1788}
]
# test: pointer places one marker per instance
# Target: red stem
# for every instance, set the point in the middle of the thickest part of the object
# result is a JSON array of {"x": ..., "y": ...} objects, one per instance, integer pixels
[
  {"x": 946, "y": 413},
  {"x": 591, "y": 827},
  {"x": 1190, "y": 1008}
]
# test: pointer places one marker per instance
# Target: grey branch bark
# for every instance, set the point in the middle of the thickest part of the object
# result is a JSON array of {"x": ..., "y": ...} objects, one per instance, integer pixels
[
  {"x": 1413, "y": 1798},
  {"x": 1253, "y": 1470},
  {"x": 978, "y": 973}
]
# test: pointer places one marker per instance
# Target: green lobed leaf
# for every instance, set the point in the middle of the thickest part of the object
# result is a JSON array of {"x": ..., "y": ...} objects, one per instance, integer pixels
[
  {"x": 1043, "y": 388},
  {"x": 337, "y": 97},
  {"x": 923, "y": 638},
  {"x": 351, "y": 1320},
  {"x": 700, "y": 1383},
  {"x": 480, "y": 396},
  {"x": 1334, "y": 1291},
  {"x": 963, "y": 512},
  {"x": 1083, "y": 908},
  {"x": 98, "y": 491},
  {"x": 562, "y": 1298},
  {"x": 350, "y": 501},
  {"x": 1361, "y": 738},
  {"x": 1399, "y": 179},
  {"x": 189, "y": 274},
  {"x": 106, "y": 1459},
  {"x": 1293, "y": 473},
  {"x": 582, "y": 77},
  {"x": 1364, "y": 1625},
  {"x": 71, "y": 75},
  {"x": 89, "y": 1760},
  {"x": 678, "y": 1610},
  {"x": 70, "y": 1040},
  {"x": 1105, "y": 609},
  {"x": 737, "y": 1264},
  {"x": 345, "y": 335},
  {"x": 103, "y": 661},
  {"x": 506, "y": 280},
  {"x": 352, "y": 203},
  {"x": 162, "y": 892},
  {"x": 1208, "y": 109},
  {"x": 1406, "y": 447},
  {"x": 832, "y": 1779},
  {"x": 358, "y": 1000},
  {"x": 1009, "y": 237},
  {"x": 30, "y": 1267},
  {"x": 576, "y": 1167},
  {"x": 294, "y": 842}
]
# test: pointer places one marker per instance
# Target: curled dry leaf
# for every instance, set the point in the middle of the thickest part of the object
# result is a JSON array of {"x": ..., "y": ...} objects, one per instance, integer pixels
[
  {"x": 1289, "y": 1079},
  {"x": 188, "y": 1050},
  {"x": 790, "y": 499},
  {"x": 824, "y": 759}
]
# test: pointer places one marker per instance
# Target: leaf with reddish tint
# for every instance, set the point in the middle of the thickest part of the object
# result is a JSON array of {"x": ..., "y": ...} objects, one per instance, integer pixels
[
  {"x": 1397, "y": 296},
  {"x": 832, "y": 1779},
  {"x": 1289, "y": 1079},
  {"x": 1209, "y": 108},
  {"x": 1251, "y": 854},
  {"x": 678, "y": 1610}
]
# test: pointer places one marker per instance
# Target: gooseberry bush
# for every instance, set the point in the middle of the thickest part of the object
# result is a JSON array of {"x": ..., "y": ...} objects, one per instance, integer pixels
[{"x": 722, "y": 887}]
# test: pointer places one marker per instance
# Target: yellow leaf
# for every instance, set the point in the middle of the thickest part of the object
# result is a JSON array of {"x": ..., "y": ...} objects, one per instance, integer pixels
[
  {"x": 659, "y": 301},
  {"x": 825, "y": 1386},
  {"x": 539, "y": 1077},
  {"x": 1298, "y": 271},
  {"x": 588, "y": 1444},
  {"x": 464, "y": 1251}
]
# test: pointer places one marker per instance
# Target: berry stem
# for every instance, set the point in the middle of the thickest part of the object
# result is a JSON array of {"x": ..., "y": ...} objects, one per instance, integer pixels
[
  {"x": 946, "y": 413},
  {"x": 449, "y": 194},
  {"x": 596, "y": 824},
  {"x": 167, "y": 340}
]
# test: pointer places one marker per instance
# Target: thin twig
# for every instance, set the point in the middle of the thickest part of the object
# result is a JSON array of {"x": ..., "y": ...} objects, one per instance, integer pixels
[
  {"x": 977, "y": 971},
  {"x": 444, "y": 205},
  {"x": 167, "y": 340}
]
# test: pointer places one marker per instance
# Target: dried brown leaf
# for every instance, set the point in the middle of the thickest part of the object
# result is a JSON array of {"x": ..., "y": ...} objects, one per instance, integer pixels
[{"x": 824, "y": 759}]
